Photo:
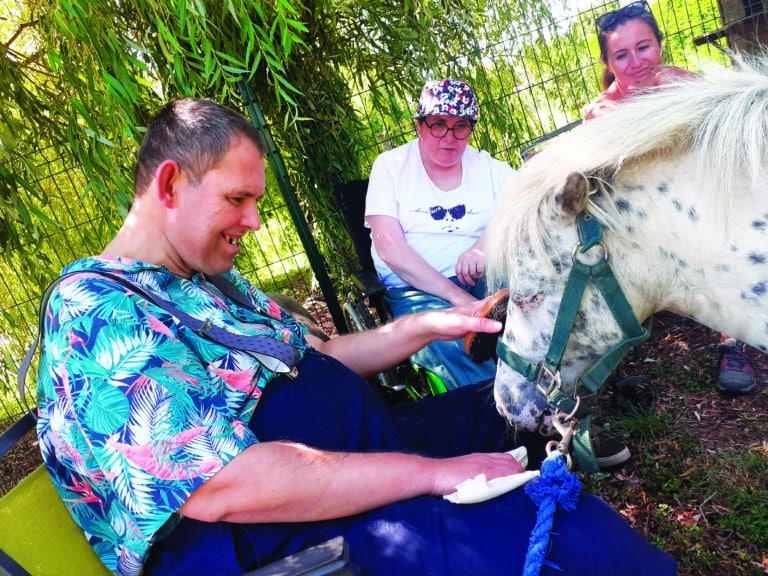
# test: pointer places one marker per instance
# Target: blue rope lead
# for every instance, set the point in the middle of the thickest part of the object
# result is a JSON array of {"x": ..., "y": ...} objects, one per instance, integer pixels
[{"x": 556, "y": 485}]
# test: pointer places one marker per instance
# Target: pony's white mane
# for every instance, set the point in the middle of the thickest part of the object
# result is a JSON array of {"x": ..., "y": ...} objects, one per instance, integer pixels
[{"x": 722, "y": 117}]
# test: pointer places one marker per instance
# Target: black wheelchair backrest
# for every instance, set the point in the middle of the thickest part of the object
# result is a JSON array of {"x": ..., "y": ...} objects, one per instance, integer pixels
[{"x": 350, "y": 197}]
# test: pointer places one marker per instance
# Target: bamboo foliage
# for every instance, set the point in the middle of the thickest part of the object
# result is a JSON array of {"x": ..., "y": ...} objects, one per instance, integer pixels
[
  {"x": 92, "y": 71},
  {"x": 81, "y": 78},
  {"x": 336, "y": 79}
]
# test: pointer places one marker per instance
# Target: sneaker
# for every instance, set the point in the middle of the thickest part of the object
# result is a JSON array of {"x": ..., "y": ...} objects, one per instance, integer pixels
[
  {"x": 737, "y": 376},
  {"x": 609, "y": 452}
]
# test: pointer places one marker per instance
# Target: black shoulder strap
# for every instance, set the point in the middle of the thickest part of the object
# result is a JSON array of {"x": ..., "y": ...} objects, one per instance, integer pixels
[
  {"x": 230, "y": 291},
  {"x": 275, "y": 355}
]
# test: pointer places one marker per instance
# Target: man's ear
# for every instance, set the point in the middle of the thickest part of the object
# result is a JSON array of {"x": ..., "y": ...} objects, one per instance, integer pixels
[{"x": 167, "y": 177}]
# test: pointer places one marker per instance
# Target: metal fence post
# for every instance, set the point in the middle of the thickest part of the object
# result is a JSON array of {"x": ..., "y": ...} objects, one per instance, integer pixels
[{"x": 277, "y": 165}]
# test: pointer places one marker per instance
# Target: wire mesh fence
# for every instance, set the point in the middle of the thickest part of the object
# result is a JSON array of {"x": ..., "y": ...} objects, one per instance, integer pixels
[{"x": 530, "y": 81}]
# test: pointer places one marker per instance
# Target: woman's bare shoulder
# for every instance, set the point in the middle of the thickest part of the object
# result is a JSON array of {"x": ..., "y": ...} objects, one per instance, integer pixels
[{"x": 603, "y": 104}]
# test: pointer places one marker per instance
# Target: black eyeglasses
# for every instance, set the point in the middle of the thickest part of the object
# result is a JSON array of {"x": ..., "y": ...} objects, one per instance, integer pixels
[
  {"x": 461, "y": 130},
  {"x": 610, "y": 20}
]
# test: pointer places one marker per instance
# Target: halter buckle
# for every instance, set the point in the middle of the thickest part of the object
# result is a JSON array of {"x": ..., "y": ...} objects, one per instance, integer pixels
[
  {"x": 548, "y": 381},
  {"x": 578, "y": 250},
  {"x": 565, "y": 424}
]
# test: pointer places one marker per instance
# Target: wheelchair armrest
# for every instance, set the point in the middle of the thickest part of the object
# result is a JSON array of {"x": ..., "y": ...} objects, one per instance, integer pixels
[
  {"x": 329, "y": 558},
  {"x": 9, "y": 567},
  {"x": 368, "y": 283},
  {"x": 11, "y": 436}
]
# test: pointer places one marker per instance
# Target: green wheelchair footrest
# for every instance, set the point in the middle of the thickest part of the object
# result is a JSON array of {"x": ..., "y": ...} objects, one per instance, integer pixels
[{"x": 38, "y": 533}]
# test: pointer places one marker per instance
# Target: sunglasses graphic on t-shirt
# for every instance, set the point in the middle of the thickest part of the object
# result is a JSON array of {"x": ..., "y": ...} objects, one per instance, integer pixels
[{"x": 440, "y": 213}]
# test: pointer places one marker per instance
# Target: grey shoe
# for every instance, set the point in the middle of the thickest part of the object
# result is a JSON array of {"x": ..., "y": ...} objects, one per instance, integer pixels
[
  {"x": 609, "y": 452},
  {"x": 737, "y": 376}
]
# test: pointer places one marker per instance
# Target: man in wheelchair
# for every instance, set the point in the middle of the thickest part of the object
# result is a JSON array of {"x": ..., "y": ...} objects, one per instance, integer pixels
[{"x": 218, "y": 450}]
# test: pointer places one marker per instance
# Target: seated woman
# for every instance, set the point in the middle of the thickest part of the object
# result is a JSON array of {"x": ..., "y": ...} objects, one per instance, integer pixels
[{"x": 427, "y": 206}]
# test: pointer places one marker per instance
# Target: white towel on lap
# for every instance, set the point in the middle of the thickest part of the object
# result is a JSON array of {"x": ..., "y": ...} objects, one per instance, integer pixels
[{"x": 479, "y": 489}]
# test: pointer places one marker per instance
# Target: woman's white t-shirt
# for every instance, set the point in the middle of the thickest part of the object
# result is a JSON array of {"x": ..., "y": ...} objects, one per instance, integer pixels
[{"x": 439, "y": 225}]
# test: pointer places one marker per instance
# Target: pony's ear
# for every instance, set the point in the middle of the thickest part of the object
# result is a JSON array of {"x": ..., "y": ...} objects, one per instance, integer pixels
[{"x": 573, "y": 198}]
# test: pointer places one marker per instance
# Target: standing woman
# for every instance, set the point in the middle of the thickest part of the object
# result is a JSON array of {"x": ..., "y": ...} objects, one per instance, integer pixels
[{"x": 630, "y": 49}]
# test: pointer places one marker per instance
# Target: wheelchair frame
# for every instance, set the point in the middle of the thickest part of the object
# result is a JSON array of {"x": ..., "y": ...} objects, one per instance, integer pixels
[{"x": 365, "y": 307}]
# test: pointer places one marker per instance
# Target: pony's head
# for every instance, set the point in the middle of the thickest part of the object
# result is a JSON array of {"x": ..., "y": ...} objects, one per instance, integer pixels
[{"x": 674, "y": 176}]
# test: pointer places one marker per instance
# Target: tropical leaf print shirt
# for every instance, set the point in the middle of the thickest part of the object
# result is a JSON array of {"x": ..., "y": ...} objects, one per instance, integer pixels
[{"x": 136, "y": 410}]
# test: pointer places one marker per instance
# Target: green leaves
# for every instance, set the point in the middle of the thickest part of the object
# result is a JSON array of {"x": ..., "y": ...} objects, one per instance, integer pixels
[{"x": 86, "y": 74}]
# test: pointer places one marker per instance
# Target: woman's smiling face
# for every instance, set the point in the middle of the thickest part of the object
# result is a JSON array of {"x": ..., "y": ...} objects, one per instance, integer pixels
[{"x": 633, "y": 54}]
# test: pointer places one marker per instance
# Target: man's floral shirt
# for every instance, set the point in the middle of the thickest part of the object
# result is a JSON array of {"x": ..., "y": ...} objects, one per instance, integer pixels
[{"x": 136, "y": 410}]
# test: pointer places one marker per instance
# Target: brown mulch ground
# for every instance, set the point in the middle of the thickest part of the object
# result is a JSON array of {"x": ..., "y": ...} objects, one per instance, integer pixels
[
  {"x": 705, "y": 434},
  {"x": 720, "y": 422}
]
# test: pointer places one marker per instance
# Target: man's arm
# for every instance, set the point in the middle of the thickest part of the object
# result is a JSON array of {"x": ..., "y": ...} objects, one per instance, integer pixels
[
  {"x": 287, "y": 482},
  {"x": 372, "y": 351}
]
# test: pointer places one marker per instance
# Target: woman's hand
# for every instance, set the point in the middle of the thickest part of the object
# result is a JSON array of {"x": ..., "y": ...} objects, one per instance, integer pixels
[{"x": 471, "y": 265}]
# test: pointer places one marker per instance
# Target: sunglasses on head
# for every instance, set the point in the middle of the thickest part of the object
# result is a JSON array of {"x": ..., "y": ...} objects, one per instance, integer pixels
[{"x": 610, "y": 20}]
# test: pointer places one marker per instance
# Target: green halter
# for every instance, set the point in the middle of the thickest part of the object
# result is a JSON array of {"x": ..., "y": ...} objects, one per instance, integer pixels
[{"x": 546, "y": 374}]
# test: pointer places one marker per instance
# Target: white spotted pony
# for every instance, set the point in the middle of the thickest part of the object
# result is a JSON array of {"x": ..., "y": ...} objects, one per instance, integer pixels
[{"x": 677, "y": 180}]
